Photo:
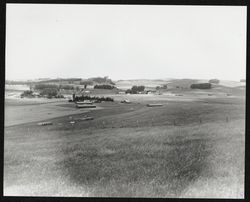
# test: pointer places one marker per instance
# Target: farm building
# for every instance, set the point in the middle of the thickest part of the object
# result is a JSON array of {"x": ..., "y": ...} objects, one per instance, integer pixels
[
  {"x": 154, "y": 105},
  {"x": 150, "y": 91},
  {"x": 85, "y": 106}
]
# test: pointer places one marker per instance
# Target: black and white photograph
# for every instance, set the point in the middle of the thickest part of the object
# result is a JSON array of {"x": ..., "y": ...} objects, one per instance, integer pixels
[{"x": 134, "y": 101}]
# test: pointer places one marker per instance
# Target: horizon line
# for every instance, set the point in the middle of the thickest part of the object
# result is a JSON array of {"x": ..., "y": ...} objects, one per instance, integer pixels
[{"x": 124, "y": 79}]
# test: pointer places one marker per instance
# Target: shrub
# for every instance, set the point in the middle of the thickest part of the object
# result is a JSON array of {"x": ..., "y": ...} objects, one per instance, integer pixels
[
  {"x": 49, "y": 92},
  {"x": 201, "y": 86},
  {"x": 86, "y": 83},
  {"x": 128, "y": 91},
  {"x": 165, "y": 86},
  {"x": 59, "y": 96},
  {"x": 27, "y": 93}
]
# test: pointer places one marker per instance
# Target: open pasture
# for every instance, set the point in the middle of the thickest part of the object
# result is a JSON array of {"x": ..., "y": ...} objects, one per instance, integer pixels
[
  {"x": 181, "y": 149},
  {"x": 20, "y": 111}
]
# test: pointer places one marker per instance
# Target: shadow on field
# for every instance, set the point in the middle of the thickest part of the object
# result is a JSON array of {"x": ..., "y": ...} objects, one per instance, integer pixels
[
  {"x": 187, "y": 162},
  {"x": 137, "y": 167}
]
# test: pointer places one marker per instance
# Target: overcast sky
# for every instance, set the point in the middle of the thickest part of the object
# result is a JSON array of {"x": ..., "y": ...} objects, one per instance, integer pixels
[{"x": 125, "y": 41}]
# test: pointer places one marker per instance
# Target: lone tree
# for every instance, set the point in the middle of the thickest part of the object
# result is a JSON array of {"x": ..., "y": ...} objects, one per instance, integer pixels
[
  {"x": 86, "y": 83},
  {"x": 27, "y": 93}
]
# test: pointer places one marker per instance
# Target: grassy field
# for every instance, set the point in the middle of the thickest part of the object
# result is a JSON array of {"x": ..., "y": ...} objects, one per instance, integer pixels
[{"x": 186, "y": 148}]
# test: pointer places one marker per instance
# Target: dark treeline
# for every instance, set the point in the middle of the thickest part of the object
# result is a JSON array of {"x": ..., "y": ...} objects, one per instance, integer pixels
[
  {"x": 135, "y": 89},
  {"x": 42, "y": 86},
  {"x": 104, "y": 86},
  {"x": 86, "y": 97},
  {"x": 201, "y": 86},
  {"x": 102, "y": 80}
]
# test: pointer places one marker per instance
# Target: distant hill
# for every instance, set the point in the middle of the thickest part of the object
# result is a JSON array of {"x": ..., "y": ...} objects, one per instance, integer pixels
[
  {"x": 148, "y": 83},
  {"x": 177, "y": 85},
  {"x": 69, "y": 80},
  {"x": 231, "y": 83},
  {"x": 182, "y": 83}
]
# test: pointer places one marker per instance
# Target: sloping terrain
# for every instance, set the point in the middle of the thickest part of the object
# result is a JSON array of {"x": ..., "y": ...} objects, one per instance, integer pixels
[
  {"x": 126, "y": 84},
  {"x": 182, "y": 149},
  {"x": 231, "y": 83}
]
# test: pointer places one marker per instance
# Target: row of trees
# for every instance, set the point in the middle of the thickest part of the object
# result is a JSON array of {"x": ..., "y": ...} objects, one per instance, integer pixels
[
  {"x": 86, "y": 97},
  {"x": 165, "y": 86},
  {"x": 99, "y": 80},
  {"x": 201, "y": 86},
  {"x": 104, "y": 86},
  {"x": 53, "y": 86}
]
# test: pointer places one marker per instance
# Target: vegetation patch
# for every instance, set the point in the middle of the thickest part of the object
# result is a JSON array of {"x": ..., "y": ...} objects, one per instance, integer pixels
[
  {"x": 28, "y": 93},
  {"x": 201, "y": 86},
  {"x": 104, "y": 86},
  {"x": 136, "y": 89}
]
